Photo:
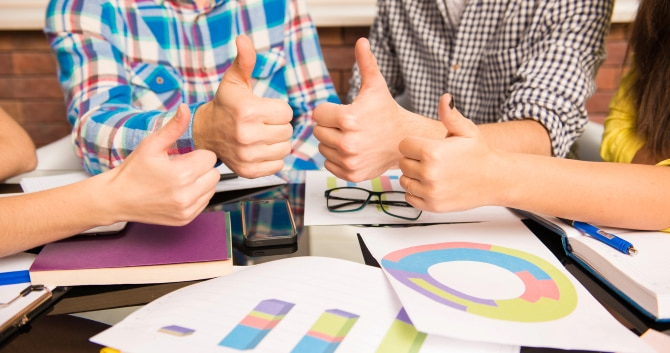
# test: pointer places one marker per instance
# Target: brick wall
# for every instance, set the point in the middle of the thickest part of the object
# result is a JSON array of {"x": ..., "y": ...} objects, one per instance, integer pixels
[
  {"x": 29, "y": 89},
  {"x": 610, "y": 72}
]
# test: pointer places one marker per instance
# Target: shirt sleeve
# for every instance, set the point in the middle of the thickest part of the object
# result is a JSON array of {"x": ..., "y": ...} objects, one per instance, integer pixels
[
  {"x": 557, "y": 75},
  {"x": 620, "y": 141},
  {"x": 308, "y": 84},
  {"x": 107, "y": 127}
]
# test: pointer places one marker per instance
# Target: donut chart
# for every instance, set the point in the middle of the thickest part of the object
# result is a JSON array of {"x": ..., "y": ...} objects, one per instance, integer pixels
[{"x": 548, "y": 295}]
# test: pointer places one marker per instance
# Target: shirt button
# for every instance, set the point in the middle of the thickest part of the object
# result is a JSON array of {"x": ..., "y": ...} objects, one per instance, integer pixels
[
  {"x": 455, "y": 67},
  {"x": 203, "y": 70},
  {"x": 159, "y": 80}
]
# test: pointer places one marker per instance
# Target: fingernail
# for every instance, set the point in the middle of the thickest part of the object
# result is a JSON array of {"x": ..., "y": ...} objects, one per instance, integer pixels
[{"x": 451, "y": 103}]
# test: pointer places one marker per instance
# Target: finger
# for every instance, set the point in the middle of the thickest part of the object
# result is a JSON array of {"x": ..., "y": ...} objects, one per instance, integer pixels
[
  {"x": 410, "y": 168},
  {"x": 161, "y": 140},
  {"x": 456, "y": 124},
  {"x": 371, "y": 77},
  {"x": 199, "y": 162},
  {"x": 325, "y": 114},
  {"x": 331, "y": 154},
  {"x": 241, "y": 69},
  {"x": 327, "y": 136},
  {"x": 411, "y": 147},
  {"x": 405, "y": 180},
  {"x": 260, "y": 169},
  {"x": 282, "y": 114},
  {"x": 276, "y": 133},
  {"x": 201, "y": 190},
  {"x": 417, "y": 202},
  {"x": 412, "y": 188}
]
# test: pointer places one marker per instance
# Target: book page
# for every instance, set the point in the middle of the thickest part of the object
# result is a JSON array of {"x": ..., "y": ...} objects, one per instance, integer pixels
[
  {"x": 643, "y": 277},
  {"x": 499, "y": 278},
  {"x": 302, "y": 304}
]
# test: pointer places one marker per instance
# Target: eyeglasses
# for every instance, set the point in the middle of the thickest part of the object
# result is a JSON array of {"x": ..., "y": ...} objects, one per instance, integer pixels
[{"x": 352, "y": 199}]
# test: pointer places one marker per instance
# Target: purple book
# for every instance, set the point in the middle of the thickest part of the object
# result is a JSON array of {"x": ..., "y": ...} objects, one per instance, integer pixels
[{"x": 142, "y": 253}]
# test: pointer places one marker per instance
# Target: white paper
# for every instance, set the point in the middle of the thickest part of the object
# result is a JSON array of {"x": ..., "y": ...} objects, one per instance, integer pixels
[
  {"x": 312, "y": 284},
  {"x": 32, "y": 184},
  {"x": 240, "y": 183},
  {"x": 316, "y": 212},
  {"x": 493, "y": 281},
  {"x": 16, "y": 262}
]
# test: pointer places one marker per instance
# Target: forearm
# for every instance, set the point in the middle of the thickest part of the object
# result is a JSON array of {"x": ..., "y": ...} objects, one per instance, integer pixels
[
  {"x": 522, "y": 136},
  {"x": 38, "y": 218},
  {"x": 17, "y": 151},
  {"x": 612, "y": 194}
]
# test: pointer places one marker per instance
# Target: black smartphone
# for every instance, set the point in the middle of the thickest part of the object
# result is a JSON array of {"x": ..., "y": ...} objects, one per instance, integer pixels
[
  {"x": 267, "y": 222},
  {"x": 256, "y": 251}
]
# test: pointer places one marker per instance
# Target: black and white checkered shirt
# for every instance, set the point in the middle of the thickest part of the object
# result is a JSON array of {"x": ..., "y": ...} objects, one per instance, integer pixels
[{"x": 507, "y": 60}]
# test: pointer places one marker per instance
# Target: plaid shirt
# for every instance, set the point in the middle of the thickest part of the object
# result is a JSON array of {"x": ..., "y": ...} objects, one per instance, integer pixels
[
  {"x": 507, "y": 60},
  {"x": 126, "y": 65}
]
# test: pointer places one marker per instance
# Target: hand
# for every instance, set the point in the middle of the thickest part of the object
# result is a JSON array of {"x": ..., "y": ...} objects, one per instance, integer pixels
[
  {"x": 152, "y": 187},
  {"x": 251, "y": 135},
  {"x": 360, "y": 140},
  {"x": 453, "y": 174}
]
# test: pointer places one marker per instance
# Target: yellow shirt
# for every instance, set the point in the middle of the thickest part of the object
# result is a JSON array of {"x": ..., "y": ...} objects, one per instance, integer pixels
[{"x": 620, "y": 141}]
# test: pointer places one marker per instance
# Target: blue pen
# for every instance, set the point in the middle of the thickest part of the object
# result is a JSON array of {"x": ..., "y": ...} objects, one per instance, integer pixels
[{"x": 605, "y": 237}]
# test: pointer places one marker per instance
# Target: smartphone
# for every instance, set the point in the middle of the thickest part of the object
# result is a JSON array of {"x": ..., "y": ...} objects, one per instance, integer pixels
[
  {"x": 267, "y": 222},
  {"x": 256, "y": 251}
]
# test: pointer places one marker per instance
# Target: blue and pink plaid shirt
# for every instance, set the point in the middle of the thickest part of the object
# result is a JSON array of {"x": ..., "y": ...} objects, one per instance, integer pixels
[{"x": 126, "y": 65}]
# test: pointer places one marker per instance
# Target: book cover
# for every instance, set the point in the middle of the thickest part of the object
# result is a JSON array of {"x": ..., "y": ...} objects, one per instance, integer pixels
[{"x": 142, "y": 253}]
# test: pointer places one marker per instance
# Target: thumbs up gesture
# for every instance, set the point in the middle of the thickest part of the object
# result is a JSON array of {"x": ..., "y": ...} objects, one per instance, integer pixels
[
  {"x": 152, "y": 187},
  {"x": 457, "y": 173},
  {"x": 360, "y": 140},
  {"x": 250, "y": 134}
]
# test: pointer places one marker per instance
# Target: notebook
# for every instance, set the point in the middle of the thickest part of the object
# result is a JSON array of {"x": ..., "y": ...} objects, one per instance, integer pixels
[
  {"x": 142, "y": 253},
  {"x": 642, "y": 280}
]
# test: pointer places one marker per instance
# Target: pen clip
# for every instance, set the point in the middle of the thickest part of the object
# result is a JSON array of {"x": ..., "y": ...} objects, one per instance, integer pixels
[{"x": 31, "y": 288}]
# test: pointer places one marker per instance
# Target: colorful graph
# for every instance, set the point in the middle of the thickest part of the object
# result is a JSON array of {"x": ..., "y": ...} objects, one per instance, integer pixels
[
  {"x": 402, "y": 337},
  {"x": 176, "y": 330},
  {"x": 548, "y": 294},
  {"x": 327, "y": 332},
  {"x": 256, "y": 325}
]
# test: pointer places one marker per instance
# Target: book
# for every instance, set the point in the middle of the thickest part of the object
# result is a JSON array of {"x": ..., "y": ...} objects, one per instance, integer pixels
[
  {"x": 142, "y": 253},
  {"x": 642, "y": 280}
]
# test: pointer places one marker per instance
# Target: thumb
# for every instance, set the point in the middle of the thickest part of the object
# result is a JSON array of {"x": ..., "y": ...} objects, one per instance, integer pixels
[
  {"x": 371, "y": 77},
  {"x": 456, "y": 124},
  {"x": 162, "y": 139},
  {"x": 240, "y": 71}
]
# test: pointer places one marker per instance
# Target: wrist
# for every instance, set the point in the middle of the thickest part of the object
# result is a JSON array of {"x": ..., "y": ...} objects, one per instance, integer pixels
[
  {"x": 199, "y": 126},
  {"x": 107, "y": 206}
]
